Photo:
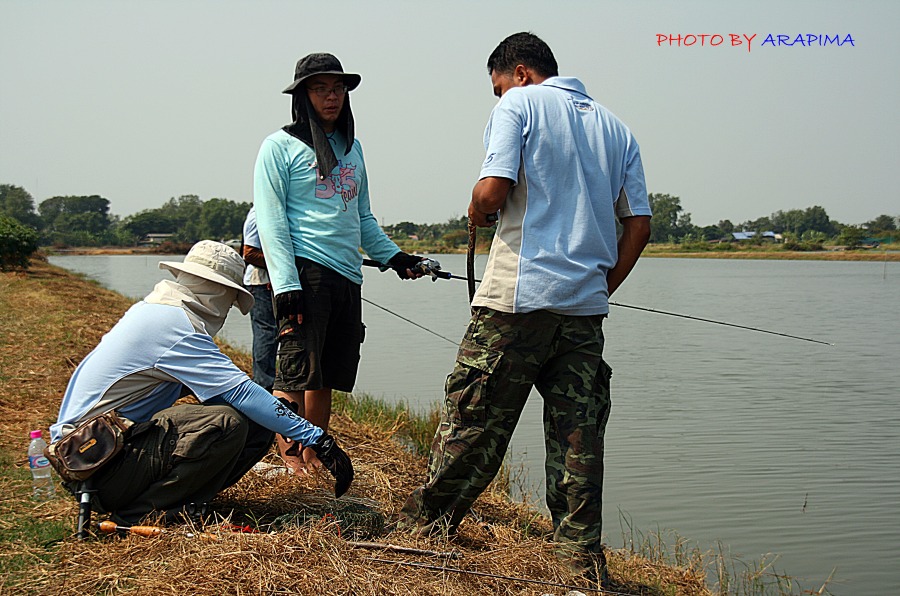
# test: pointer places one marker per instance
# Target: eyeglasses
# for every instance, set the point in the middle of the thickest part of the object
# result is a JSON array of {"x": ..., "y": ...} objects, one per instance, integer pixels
[{"x": 324, "y": 92}]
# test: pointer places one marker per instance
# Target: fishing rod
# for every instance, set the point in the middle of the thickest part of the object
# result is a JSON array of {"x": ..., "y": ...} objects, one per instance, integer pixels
[
  {"x": 498, "y": 576},
  {"x": 425, "y": 267},
  {"x": 433, "y": 268}
]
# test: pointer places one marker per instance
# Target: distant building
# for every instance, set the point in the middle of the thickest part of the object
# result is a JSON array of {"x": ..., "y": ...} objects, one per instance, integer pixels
[
  {"x": 155, "y": 239},
  {"x": 750, "y": 235}
]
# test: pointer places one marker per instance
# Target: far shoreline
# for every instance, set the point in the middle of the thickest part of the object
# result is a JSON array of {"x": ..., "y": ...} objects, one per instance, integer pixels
[{"x": 652, "y": 251}]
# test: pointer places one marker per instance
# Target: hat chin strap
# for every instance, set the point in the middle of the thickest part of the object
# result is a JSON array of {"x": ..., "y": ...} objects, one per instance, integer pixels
[{"x": 205, "y": 302}]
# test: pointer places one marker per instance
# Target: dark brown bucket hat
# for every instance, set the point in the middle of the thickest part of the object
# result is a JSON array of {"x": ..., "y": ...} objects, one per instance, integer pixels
[{"x": 316, "y": 64}]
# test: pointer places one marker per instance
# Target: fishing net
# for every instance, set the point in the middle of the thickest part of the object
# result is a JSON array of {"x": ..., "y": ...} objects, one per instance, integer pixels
[{"x": 353, "y": 517}]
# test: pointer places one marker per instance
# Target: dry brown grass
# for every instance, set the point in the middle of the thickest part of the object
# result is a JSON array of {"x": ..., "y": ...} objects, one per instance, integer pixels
[{"x": 51, "y": 320}]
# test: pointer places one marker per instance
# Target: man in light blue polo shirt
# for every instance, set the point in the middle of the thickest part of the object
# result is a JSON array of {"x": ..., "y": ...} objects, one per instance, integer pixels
[{"x": 560, "y": 170}]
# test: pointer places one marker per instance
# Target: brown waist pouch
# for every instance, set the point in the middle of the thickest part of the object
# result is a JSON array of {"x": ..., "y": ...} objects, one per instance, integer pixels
[{"x": 85, "y": 450}]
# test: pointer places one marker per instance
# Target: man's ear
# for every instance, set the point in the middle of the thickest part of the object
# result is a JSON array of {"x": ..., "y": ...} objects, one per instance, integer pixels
[{"x": 522, "y": 75}]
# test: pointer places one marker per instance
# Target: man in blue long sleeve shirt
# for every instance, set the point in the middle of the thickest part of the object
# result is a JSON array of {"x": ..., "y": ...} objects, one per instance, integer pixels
[
  {"x": 311, "y": 196},
  {"x": 163, "y": 348}
]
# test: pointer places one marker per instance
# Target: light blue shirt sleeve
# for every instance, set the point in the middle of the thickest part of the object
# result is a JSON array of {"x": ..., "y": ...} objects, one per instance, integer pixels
[
  {"x": 271, "y": 178},
  {"x": 504, "y": 138},
  {"x": 262, "y": 407},
  {"x": 633, "y": 200}
]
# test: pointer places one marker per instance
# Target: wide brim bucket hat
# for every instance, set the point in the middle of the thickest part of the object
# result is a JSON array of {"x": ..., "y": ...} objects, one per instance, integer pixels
[
  {"x": 321, "y": 63},
  {"x": 218, "y": 263}
]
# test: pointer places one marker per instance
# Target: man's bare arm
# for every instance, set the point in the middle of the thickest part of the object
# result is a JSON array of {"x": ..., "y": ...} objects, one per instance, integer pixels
[
  {"x": 488, "y": 197},
  {"x": 632, "y": 242},
  {"x": 254, "y": 256}
]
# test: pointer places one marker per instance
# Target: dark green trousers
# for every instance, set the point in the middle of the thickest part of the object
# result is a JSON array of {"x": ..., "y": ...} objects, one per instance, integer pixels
[
  {"x": 185, "y": 454},
  {"x": 500, "y": 359}
]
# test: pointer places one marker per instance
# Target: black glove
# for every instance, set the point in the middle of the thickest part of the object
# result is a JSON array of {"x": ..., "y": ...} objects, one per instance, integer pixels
[
  {"x": 337, "y": 462},
  {"x": 401, "y": 261},
  {"x": 289, "y": 304}
]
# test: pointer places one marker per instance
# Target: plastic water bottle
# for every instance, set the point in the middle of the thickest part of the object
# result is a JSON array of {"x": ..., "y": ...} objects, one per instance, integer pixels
[{"x": 42, "y": 482}]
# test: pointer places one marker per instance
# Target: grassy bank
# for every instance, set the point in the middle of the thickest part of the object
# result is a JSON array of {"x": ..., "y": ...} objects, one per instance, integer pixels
[{"x": 52, "y": 319}]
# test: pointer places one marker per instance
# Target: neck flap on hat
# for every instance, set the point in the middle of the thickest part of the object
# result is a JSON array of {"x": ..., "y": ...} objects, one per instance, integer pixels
[
  {"x": 307, "y": 128},
  {"x": 205, "y": 302}
]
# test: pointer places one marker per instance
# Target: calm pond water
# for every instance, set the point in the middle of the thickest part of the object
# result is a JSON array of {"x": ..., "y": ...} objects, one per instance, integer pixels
[{"x": 767, "y": 445}]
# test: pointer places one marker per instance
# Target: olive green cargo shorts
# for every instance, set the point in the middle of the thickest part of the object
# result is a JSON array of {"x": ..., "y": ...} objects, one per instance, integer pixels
[{"x": 185, "y": 454}]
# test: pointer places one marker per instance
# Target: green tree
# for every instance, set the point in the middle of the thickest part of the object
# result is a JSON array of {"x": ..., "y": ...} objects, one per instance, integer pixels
[
  {"x": 149, "y": 221},
  {"x": 712, "y": 233},
  {"x": 18, "y": 243},
  {"x": 222, "y": 219},
  {"x": 669, "y": 222},
  {"x": 75, "y": 219},
  {"x": 185, "y": 213},
  {"x": 882, "y": 223},
  {"x": 795, "y": 222},
  {"x": 404, "y": 229},
  {"x": 726, "y": 226},
  {"x": 119, "y": 235},
  {"x": 851, "y": 236},
  {"x": 455, "y": 238},
  {"x": 787, "y": 221},
  {"x": 759, "y": 225},
  {"x": 18, "y": 203},
  {"x": 190, "y": 219},
  {"x": 815, "y": 219}
]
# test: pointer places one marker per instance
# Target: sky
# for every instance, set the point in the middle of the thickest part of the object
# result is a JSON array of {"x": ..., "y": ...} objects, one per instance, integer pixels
[{"x": 141, "y": 101}]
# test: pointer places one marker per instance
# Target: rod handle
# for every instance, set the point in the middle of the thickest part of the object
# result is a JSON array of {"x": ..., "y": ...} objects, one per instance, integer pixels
[{"x": 109, "y": 527}]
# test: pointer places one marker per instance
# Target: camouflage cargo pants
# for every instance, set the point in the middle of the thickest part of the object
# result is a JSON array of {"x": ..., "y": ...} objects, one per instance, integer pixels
[{"x": 500, "y": 359}]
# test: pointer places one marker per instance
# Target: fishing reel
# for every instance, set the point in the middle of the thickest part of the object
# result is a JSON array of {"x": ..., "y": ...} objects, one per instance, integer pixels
[{"x": 430, "y": 267}]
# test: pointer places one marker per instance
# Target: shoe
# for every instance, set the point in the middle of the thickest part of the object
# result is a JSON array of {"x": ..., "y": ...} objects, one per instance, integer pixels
[
  {"x": 190, "y": 513},
  {"x": 588, "y": 568}
]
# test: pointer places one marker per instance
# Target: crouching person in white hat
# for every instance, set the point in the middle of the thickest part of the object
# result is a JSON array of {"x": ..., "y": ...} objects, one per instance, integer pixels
[{"x": 179, "y": 455}]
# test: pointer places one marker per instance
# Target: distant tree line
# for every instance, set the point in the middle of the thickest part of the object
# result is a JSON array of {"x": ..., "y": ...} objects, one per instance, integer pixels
[
  {"x": 800, "y": 228},
  {"x": 671, "y": 224},
  {"x": 452, "y": 234},
  {"x": 86, "y": 221}
]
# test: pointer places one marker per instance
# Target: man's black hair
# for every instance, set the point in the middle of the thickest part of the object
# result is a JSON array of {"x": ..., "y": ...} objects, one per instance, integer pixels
[{"x": 523, "y": 48}]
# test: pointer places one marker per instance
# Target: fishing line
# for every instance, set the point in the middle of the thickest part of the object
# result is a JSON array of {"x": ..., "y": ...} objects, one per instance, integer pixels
[
  {"x": 411, "y": 322},
  {"x": 675, "y": 314}
]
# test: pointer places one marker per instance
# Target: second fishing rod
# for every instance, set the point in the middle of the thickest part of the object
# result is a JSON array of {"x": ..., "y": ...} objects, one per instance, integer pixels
[{"x": 432, "y": 268}]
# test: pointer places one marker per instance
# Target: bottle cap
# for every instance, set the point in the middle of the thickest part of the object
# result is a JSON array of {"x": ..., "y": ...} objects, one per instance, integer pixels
[{"x": 35, "y": 434}]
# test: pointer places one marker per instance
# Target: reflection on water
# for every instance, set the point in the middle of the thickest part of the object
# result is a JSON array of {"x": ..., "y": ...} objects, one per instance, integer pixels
[{"x": 767, "y": 444}]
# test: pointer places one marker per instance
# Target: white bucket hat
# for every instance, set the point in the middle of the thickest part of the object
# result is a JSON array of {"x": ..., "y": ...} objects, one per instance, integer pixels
[{"x": 216, "y": 262}]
